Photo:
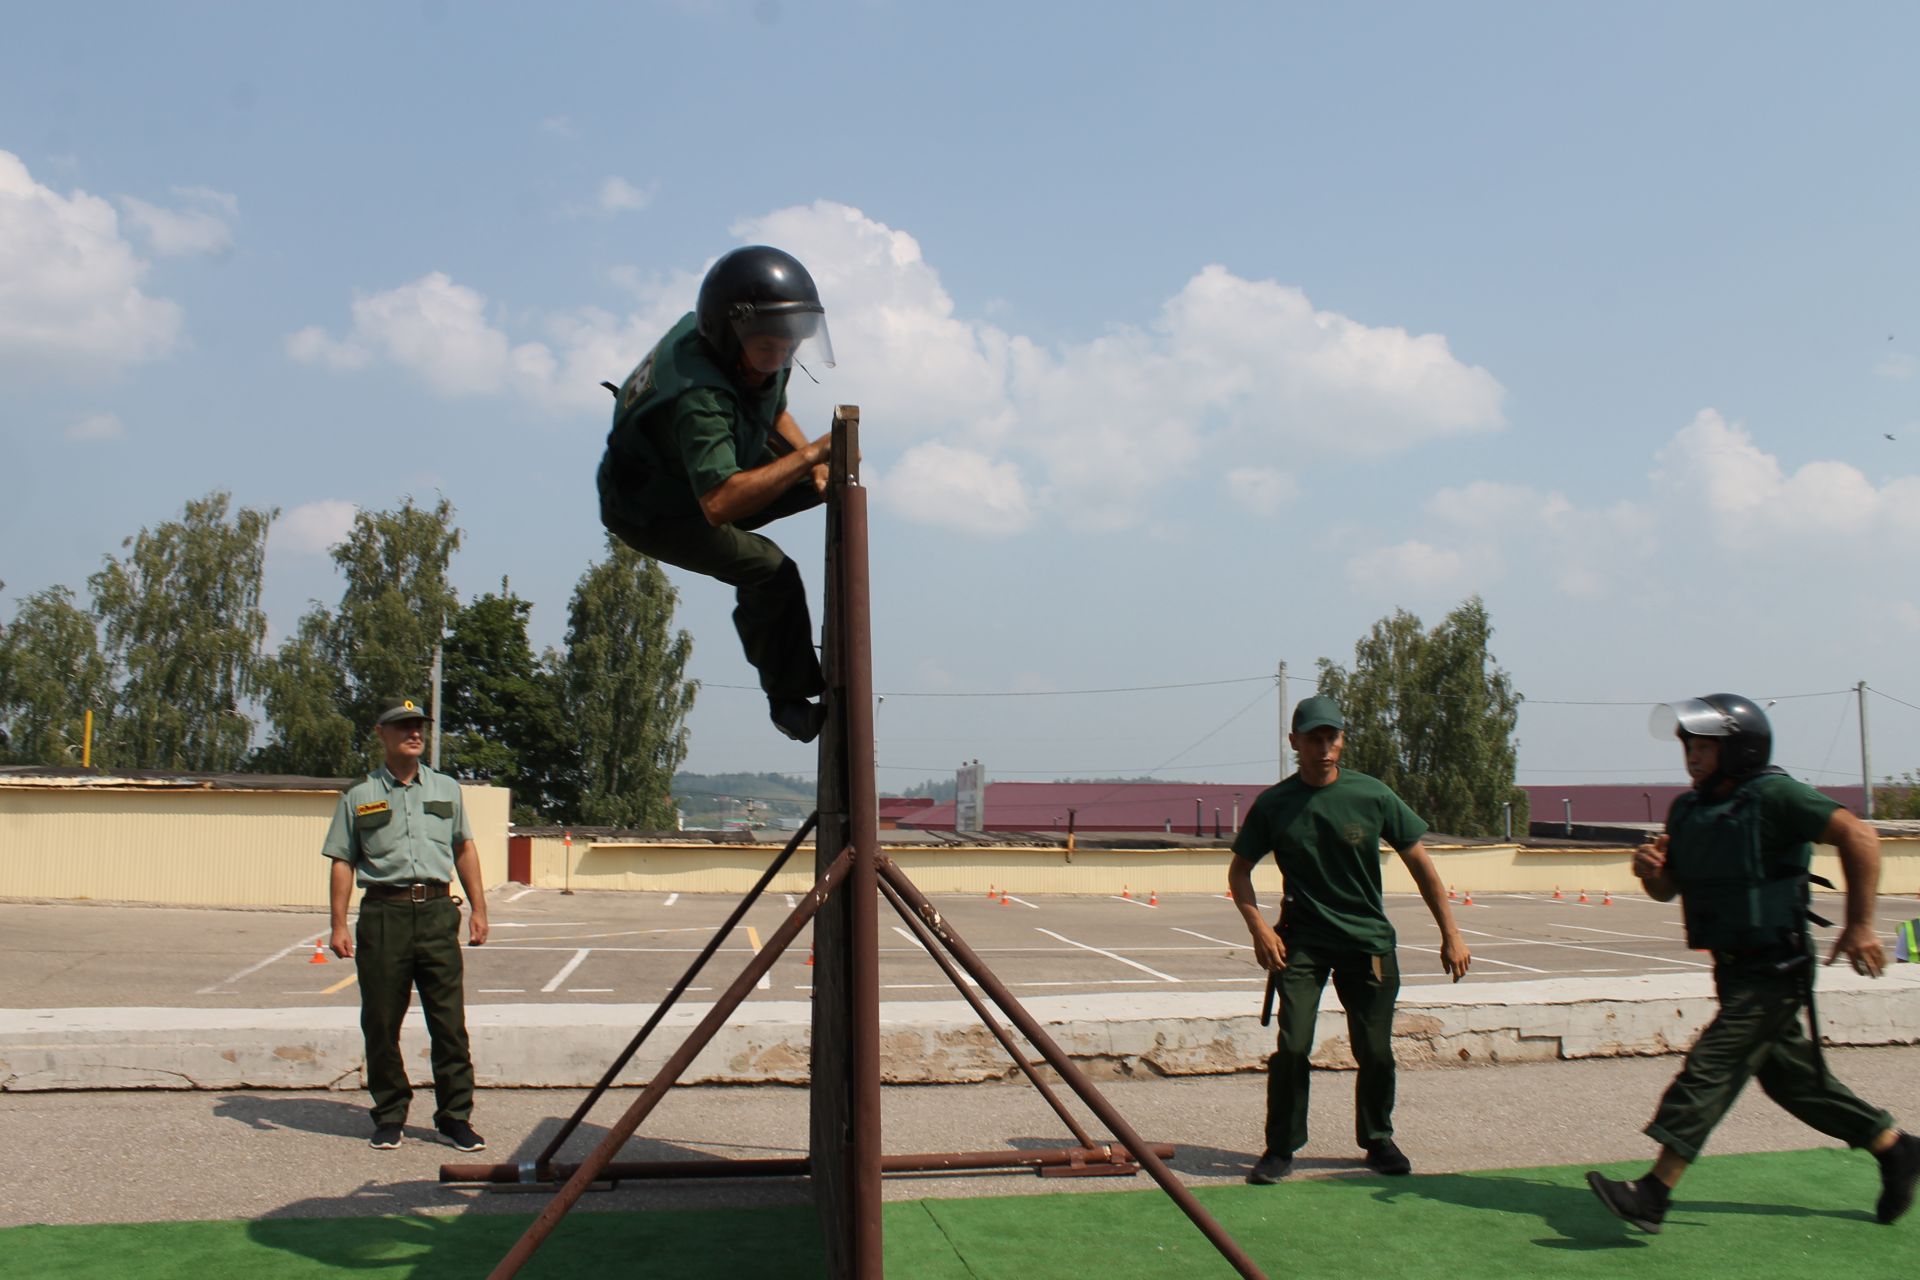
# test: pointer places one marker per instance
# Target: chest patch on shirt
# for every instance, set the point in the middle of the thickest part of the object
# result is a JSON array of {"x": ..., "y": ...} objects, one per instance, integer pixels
[
  {"x": 1354, "y": 832},
  {"x": 377, "y": 806}
]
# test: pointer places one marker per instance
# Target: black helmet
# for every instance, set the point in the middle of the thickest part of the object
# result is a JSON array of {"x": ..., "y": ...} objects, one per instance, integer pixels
[
  {"x": 1746, "y": 737},
  {"x": 762, "y": 292}
]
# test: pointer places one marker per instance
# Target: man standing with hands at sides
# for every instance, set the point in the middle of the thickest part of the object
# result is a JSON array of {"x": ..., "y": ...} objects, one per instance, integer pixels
[
  {"x": 1324, "y": 825},
  {"x": 402, "y": 832},
  {"x": 1737, "y": 852}
]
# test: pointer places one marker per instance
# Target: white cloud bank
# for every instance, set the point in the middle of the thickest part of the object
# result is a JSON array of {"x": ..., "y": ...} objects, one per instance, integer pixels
[
  {"x": 97, "y": 426},
  {"x": 1014, "y": 429},
  {"x": 70, "y": 283},
  {"x": 314, "y": 527},
  {"x": 203, "y": 225}
]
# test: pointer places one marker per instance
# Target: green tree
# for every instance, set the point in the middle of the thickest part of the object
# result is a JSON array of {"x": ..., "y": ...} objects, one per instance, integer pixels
[
  {"x": 503, "y": 716},
  {"x": 324, "y": 685},
  {"x": 51, "y": 673},
  {"x": 626, "y": 689},
  {"x": 183, "y": 623},
  {"x": 1432, "y": 715},
  {"x": 1898, "y": 797}
]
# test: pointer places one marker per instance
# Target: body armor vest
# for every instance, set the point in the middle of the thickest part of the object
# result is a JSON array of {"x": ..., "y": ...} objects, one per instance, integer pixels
[{"x": 1735, "y": 895}]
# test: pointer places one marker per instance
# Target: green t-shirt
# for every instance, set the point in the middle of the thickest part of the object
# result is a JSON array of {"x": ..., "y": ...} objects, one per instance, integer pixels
[
  {"x": 393, "y": 834},
  {"x": 1326, "y": 842},
  {"x": 681, "y": 427}
]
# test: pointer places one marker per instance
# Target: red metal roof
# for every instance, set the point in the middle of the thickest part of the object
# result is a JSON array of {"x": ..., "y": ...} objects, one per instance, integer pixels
[
  {"x": 1102, "y": 806},
  {"x": 1631, "y": 801}
]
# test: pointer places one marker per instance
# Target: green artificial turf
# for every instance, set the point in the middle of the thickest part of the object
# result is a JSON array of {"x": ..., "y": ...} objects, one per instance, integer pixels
[{"x": 1788, "y": 1213}]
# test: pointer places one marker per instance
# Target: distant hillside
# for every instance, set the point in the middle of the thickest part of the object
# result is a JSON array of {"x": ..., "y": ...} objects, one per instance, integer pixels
[{"x": 717, "y": 799}]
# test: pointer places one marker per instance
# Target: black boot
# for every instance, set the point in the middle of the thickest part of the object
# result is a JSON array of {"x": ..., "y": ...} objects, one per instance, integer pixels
[
  {"x": 1642, "y": 1204},
  {"x": 797, "y": 718},
  {"x": 1899, "y": 1171}
]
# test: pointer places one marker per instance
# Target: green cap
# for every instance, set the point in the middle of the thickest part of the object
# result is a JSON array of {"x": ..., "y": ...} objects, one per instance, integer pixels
[
  {"x": 1317, "y": 712},
  {"x": 394, "y": 710}
]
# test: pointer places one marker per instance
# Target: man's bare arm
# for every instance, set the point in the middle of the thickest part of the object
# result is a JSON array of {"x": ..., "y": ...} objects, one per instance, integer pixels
[
  {"x": 339, "y": 899},
  {"x": 466, "y": 863},
  {"x": 1859, "y": 848},
  {"x": 747, "y": 493},
  {"x": 1650, "y": 864},
  {"x": 1454, "y": 956},
  {"x": 1268, "y": 949}
]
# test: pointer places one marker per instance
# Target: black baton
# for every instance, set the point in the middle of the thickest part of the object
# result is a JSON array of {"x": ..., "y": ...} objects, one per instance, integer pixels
[{"x": 1266, "y": 1001}]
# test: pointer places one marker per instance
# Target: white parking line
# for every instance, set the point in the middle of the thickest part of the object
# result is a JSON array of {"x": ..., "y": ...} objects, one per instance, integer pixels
[
  {"x": 215, "y": 990},
  {"x": 753, "y": 940},
  {"x": 523, "y": 893},
  {"x": 1575, "y": 946},
  {"x": 1131, "y": 901},
  {"x": 1135, "y": 964},
  {"x": 1644, "y": 937},
  {"x": 1023, "y": 902},
  {"x": 503, "y": 991},
  {"x": 923, "y": 951},
  {"x": 1479, "y": 957},
  {"x": 671, "y": 899},
  {"x": 789, "y": 898},
  {"x": 1238, "y": 946},
  {"x": 566, "y": 970}
]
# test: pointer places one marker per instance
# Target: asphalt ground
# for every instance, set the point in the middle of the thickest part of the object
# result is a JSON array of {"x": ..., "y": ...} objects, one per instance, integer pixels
[
  {"x": 625, "y": 947},
  {"x": 161, "y": 1155}
]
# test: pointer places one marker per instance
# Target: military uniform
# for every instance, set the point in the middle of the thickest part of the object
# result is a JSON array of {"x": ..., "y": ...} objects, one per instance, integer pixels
[
  {"x": 401, "y": 841},
  {"x": 1326, "y": 842},
  {"x": 684, "y": 424},
  {"x": 1740, "y": 864}
]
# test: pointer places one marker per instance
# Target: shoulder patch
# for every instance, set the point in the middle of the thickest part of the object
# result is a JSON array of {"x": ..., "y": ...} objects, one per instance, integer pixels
[{"x": 377, "y": 806}]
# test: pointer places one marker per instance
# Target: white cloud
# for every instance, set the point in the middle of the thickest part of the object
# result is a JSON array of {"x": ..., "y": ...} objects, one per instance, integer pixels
[
  {"x": 617, "y": 195},
  {"x": 203, "y": 226},
  {"x": 98, "y": 426},
  {"x": 1410, "y": 566},
  {"x": 1261, "y": 490},
  {"x": 1899, "y": 366},
  {"x": 1714, "y": 468},
  {"x": 1084, "y": 431},
  {"x": 315, "y": 527},
  {"x": 70, "y": 283},
  {"x": 957, "y": 488}
]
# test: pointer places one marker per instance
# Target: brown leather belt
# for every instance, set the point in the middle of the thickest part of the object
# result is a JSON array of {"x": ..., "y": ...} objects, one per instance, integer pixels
[{"x": 407, "y": 892}]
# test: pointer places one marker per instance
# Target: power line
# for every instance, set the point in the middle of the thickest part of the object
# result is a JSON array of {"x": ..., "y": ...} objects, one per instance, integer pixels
[
  {"x": 1041, "y": 693},
  {"x": 1890, "y": 698}
]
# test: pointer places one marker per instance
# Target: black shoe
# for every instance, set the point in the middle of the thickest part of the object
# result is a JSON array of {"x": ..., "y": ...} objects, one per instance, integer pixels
[
  {"x": 1899, "y": 1171},
  {"x": 1631, "y": 1202},
  {"x": 1387, "y": 1159},
  {"x": 385, "y": 1137},
  {"x": 461, "y": 1135},
  {"x": 1270, "y": 1168},
  {"x": 797, "y": 718}
]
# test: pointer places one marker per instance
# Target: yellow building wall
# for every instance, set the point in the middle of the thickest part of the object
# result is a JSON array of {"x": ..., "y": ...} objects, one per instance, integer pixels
[
  {"x": 189, "y": 845},
  {"x": 732, "y": 868}
]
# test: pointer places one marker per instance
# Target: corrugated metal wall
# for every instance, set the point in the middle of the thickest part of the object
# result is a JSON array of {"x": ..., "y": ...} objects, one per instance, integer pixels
[{"x": 190, "y": 846}]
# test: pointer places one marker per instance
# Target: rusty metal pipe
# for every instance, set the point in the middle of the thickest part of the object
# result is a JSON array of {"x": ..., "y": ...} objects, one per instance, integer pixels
[
  {"x": 589, "y": 1170},
  {"x": 1070, "y": 1073},
  {"x": 673, "y": 996},
  {"x": 985, "y": 1014},
  {"x": 863, "y": 819},
  {"x": 790, "y": 1166}
]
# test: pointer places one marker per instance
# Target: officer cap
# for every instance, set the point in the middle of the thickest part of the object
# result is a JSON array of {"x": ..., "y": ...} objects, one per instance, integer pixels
[{"x": 395, "y": 710}]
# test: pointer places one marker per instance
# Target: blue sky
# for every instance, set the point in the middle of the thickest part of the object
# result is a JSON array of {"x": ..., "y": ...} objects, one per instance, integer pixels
[{"x": 1188, "y": 339}]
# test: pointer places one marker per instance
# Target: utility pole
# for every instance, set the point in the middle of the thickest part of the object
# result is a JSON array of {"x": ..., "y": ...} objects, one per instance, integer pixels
[
  {"x": 1280, "y": 679},
  {"x": 1866, "y": 769},
  {"x": 433, "y": 759}
]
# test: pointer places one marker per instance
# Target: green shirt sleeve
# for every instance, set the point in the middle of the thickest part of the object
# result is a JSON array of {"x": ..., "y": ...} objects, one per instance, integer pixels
[
  {"x": 339, "y": 842},
  {"x": 1252, "y": 842},
  {"x": 461, "y": 831},
  {"x": 1400, "y": 826},
  {"x": 1795, "y": 813},
  {"x": 702, "y": 430}
]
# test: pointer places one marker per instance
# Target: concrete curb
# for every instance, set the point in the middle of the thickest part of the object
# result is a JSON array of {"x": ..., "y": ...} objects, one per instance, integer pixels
[{"x": 923, "y": 1042}]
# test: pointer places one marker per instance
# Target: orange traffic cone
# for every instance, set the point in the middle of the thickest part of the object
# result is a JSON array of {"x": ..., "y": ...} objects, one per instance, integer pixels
[
  {"x": 1004, "y": 900},
  {"x": 991, "y": 893},
  {"x": 1557, "y": 895},
  {"x": 1606, "y": 898},
  {"x": 1126, "y": 893},
  {"x": 1153, "y": 897},
  {"x": 1468, "y": 900},
  {"x": 319, "y": 953},
  {"x": 809, "y": 956},
  {"x": 1583, "y": 895},
  {"x": 1452, "y": 894}
]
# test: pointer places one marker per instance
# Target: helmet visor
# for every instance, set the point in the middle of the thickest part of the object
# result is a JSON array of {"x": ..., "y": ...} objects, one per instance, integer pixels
[
  {"x": 1691, "y": 716},
  {"x": 777, "y": 335}
]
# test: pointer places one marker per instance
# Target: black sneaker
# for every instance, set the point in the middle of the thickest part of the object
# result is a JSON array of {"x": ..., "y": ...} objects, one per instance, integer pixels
[
  {"x": 461, "y": 1136},
  {"x": 385, "y": 1137},
  {"x": 797, "y": 718},
  {"x": 1270, "y": 1168},
  {"x": 1388, "y": 1160},
  {"x": 1899, "y": 1171},
  {"x": 1631, "y": 1202}
]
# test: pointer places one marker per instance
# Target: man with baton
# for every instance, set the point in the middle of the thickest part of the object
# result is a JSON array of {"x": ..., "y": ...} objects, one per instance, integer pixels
[{"x": 1324, "y": 826}]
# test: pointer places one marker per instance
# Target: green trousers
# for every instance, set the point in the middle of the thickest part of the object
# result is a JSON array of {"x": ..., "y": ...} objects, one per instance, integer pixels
[
  {"x": 1367, "y": 986},
  {"x": 400, "y": 945},
  {"x": 1759, "y": 1034},
  {"x": 770, "y": 600}
]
